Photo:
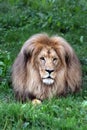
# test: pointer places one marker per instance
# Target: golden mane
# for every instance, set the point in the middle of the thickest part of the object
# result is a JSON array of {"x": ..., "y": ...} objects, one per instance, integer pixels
[{"x": 26, "y": 77}]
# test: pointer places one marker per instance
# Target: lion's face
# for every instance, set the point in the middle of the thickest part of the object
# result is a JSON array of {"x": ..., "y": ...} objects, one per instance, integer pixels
[{"x": 48, "y": 62}]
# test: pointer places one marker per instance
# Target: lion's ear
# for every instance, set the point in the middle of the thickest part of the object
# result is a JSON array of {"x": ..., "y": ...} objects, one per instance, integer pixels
[
  {"x": 27, "y": 56},
  {"x": 69, "y": 57},
  {"x": 27, "y": 50}
]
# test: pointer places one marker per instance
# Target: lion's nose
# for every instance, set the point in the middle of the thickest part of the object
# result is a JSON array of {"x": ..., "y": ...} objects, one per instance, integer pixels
[{"x": 49, "y": 71}]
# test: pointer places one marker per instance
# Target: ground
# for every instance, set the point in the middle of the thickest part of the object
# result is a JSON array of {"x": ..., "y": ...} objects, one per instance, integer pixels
[{"x": 19, "y": 20}]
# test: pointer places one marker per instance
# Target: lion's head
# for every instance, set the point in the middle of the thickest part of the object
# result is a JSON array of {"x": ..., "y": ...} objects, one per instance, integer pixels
[{"x": 45, "y": 67}]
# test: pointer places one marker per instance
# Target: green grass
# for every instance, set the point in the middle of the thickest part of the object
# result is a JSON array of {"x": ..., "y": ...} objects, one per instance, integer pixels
[
  {"x": 58, "y": 114},
  {"x": 19, "y": 19}
]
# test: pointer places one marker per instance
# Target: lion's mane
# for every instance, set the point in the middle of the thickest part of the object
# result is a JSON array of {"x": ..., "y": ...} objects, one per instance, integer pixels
[{"x": 26, "y": 80}]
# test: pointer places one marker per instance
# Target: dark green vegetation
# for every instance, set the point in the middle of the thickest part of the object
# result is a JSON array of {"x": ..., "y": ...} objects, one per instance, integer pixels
[{"x": 19, "y": 19}]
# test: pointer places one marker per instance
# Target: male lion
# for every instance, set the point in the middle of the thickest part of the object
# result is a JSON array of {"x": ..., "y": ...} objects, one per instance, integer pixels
[{"x": 45, "y": 67}]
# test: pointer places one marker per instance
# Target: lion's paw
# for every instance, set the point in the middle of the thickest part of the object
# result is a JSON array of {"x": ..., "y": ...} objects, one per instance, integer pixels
[{"x": 36, "y": 102}]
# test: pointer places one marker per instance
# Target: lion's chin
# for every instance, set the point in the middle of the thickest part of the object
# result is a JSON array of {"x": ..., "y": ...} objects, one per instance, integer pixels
[{"x": 48, "y": 81}]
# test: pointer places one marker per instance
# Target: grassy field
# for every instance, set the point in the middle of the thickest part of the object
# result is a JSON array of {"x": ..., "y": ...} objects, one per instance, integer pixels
[{"x": 19, "y": 19}]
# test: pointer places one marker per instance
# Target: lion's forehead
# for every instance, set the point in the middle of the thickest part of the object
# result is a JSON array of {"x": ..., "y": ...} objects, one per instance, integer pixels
[{"x": 48, "y": 52}]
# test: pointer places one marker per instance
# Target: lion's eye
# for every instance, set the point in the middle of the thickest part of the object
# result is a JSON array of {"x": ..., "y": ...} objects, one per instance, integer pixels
[
  {"x": 54, "y": 59},
  {"x": 42, "y": 58}
]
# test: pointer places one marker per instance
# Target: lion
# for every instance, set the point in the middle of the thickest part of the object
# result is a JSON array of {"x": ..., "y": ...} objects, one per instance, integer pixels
[{"x": 45, "y": 67}]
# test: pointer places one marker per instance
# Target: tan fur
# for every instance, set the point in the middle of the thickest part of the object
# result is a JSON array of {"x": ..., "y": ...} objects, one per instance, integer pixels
[{"x": 29, "y": 76}]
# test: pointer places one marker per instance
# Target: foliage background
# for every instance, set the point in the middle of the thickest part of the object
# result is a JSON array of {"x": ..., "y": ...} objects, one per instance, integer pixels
[{"x": 19, "y": 19}]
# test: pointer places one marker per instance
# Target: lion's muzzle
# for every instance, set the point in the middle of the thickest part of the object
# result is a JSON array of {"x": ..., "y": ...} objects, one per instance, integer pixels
[{"x": 48, "y": 80}]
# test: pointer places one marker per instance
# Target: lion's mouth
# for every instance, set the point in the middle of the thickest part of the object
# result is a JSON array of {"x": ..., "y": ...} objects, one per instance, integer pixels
[{"x": 48, "y": 80}]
